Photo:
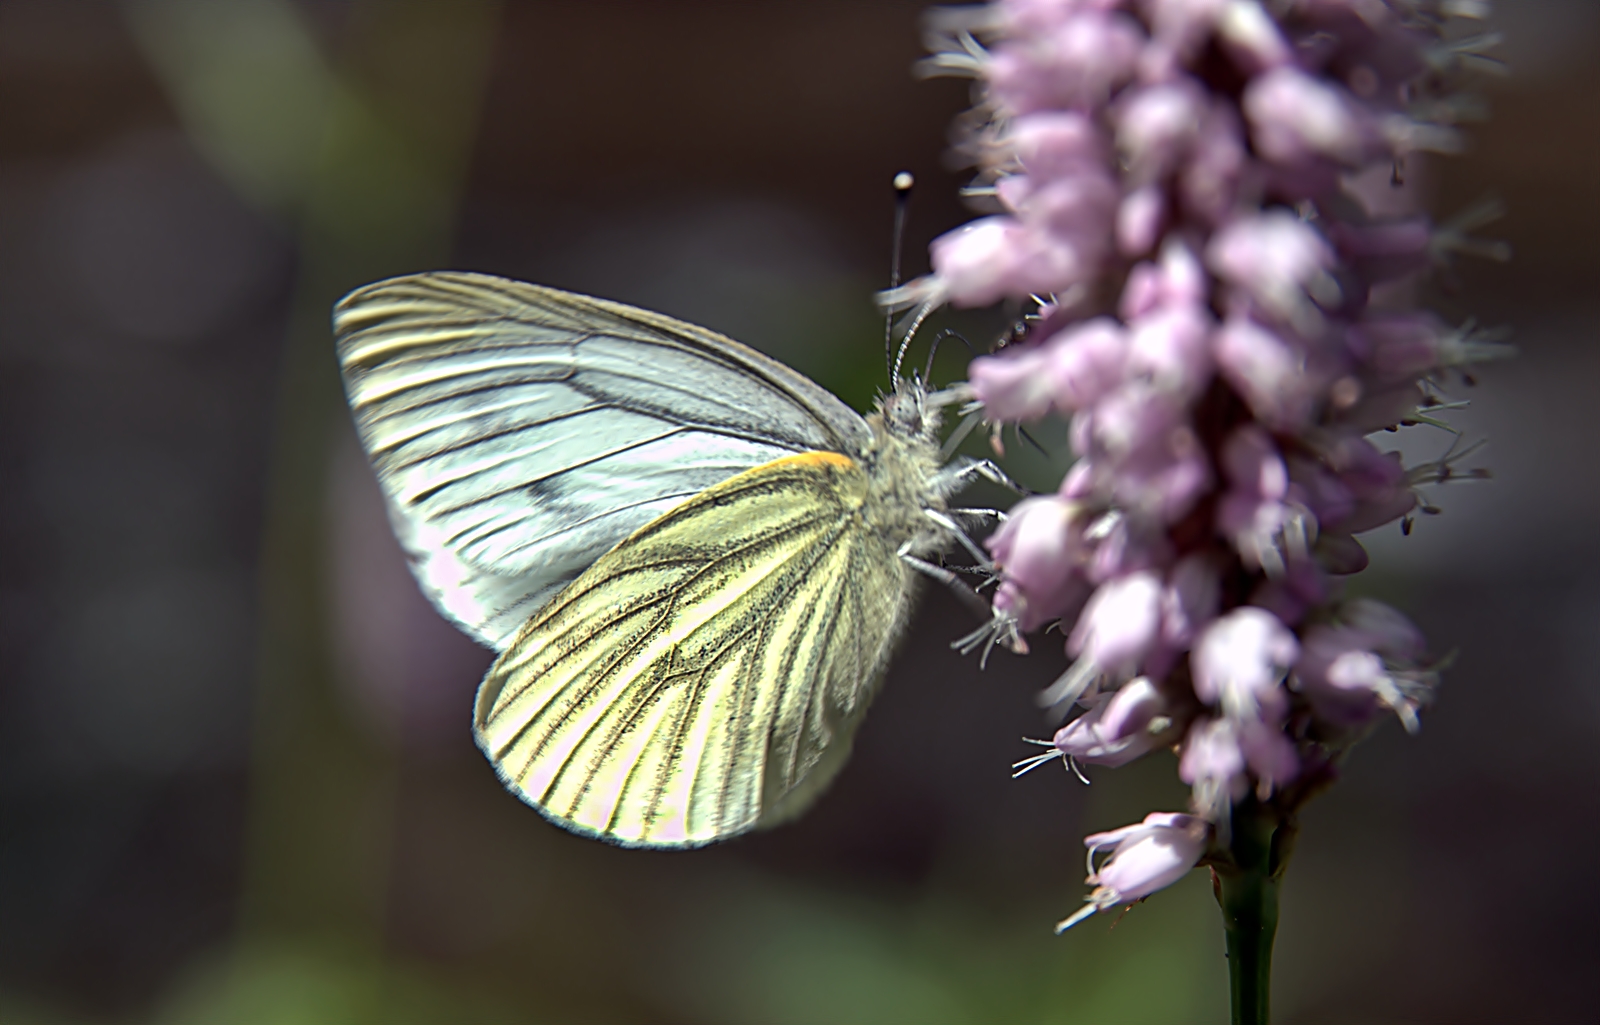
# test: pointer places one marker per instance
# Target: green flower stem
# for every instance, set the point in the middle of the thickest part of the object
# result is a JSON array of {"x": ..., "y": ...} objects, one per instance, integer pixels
[{"x": 1247, "y": 890}]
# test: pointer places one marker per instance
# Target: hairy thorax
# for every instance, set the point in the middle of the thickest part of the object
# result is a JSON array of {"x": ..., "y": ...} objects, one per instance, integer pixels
[{"x": 903, "y": 470}]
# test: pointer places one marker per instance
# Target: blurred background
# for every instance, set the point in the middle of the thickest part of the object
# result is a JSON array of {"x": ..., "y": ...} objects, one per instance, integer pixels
[{"x": 237, "y": 778}]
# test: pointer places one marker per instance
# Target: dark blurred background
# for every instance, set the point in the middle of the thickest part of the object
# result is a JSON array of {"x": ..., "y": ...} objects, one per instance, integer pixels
[{"x": 237, "y": 781}]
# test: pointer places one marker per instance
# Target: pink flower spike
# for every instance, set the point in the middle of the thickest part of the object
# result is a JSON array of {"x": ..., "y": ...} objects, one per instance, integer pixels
[
  {"x": 1372, "y": 513},
  {"x": 1027, "y": 17},
  {"x": 1143, "y": 293},
  {"x": 1379, "y": 408},
  {"x": 1145, "y": 858},
  {"x": 1376, "y": 480},
  {"x": 1268, "y": 532},
  {"x": 1177, "y": 280},
  {"x": 1132, "y": 418},
  {"x": 1077, "y": 207},
  {"x": 1318, "y": 489},
  {"x": 1120, "y": 547},
  {"x": 1183, "y": 280},
  {"x": 1120, "y": 624},
  {"x": 976, "y": 262},
  {"x": 1239, "y": 663}
]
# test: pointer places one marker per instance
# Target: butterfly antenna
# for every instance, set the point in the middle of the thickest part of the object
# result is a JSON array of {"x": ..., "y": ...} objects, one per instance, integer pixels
[
  {"x": 903, "y": 183},
  {"x": 933, "y": 350}
]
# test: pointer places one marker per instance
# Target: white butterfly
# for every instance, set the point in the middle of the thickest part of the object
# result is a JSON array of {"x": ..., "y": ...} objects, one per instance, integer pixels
[{"x": 693, "y": 560}]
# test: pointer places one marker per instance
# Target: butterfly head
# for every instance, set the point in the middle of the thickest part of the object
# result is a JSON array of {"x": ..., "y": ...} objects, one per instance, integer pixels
[{"x": 907, "y": 412}]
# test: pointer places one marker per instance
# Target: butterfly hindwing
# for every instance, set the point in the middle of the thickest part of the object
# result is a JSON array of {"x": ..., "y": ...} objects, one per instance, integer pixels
[
  {"x": 705, "y": 675},
  {"x": 521, "y": 432}
]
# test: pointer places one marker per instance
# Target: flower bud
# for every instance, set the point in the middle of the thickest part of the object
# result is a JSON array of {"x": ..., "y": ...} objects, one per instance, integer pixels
[
  {"x": 1384, "y": 251},
  {"x": 1120, "y": 726},
  {"x": 1146, "y": 857},
  {"x": 1213, "y": 764},
  {"x": 1120, "y": 624},
  {"x": 1057, "y": 143},
  {"x": 1239, "y": 662},
  {"x": 1275, "y": 258},
  {"x": 1039, "y": 549},
  {"x": 1171, "y": 348},
  {"x": 1075, "y": 63},
  {"x": 1164, "y": 479},
  {"x": 1077, "y": 208},
  {"x": 1252, "y": 37},
  {"x": 1130, "y": 419},
  {"x": 1271, "y": 374},
  {"x": 1086, "y": 362},
  {"x": 1156, "y": 125},
  {"x": 1140, "y": 218},
  {"x": 1013, "y": 386},
  {"x": 994, "y": 257},
  {"x": 1367, "y": 660},
  {"x": 1296, "y": 118}
]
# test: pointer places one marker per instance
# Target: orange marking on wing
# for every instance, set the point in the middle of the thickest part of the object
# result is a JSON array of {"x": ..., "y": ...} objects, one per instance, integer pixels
[{"x": 803, "y": 458}]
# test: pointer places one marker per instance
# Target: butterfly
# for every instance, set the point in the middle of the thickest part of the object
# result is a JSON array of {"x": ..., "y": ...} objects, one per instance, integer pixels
[{"x": 693, "y": 561}]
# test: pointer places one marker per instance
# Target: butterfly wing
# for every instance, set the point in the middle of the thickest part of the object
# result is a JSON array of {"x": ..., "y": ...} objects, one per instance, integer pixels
[
  {"x": 706, "y": 675},
  {"x": 521, "y": 432}
]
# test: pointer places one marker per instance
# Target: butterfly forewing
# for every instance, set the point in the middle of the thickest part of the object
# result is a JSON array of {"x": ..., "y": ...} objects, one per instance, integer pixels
[
  {"x": 706, "y": 669},
  {"x": 521, "y": 432}
]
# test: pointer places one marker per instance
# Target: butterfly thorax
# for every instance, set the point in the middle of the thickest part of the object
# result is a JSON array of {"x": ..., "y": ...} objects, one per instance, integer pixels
[{"x": 902, "y": 464}]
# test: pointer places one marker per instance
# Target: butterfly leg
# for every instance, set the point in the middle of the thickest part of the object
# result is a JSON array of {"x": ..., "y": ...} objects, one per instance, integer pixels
[
  {"x": 945, "y": 521},
  {"x": 954, "y": 478},
  {"x": 998, "y": 628},
  {"x": 979, "y": 514},
  {"x": 963, "y": 590}
]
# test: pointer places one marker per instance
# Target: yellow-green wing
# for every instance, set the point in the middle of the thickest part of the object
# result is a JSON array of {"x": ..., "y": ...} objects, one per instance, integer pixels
[{"x": 707, "y": 673}]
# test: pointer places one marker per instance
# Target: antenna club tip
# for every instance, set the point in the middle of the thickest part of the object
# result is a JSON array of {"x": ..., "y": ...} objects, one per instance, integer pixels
[{"x": 903, "y": 181}]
